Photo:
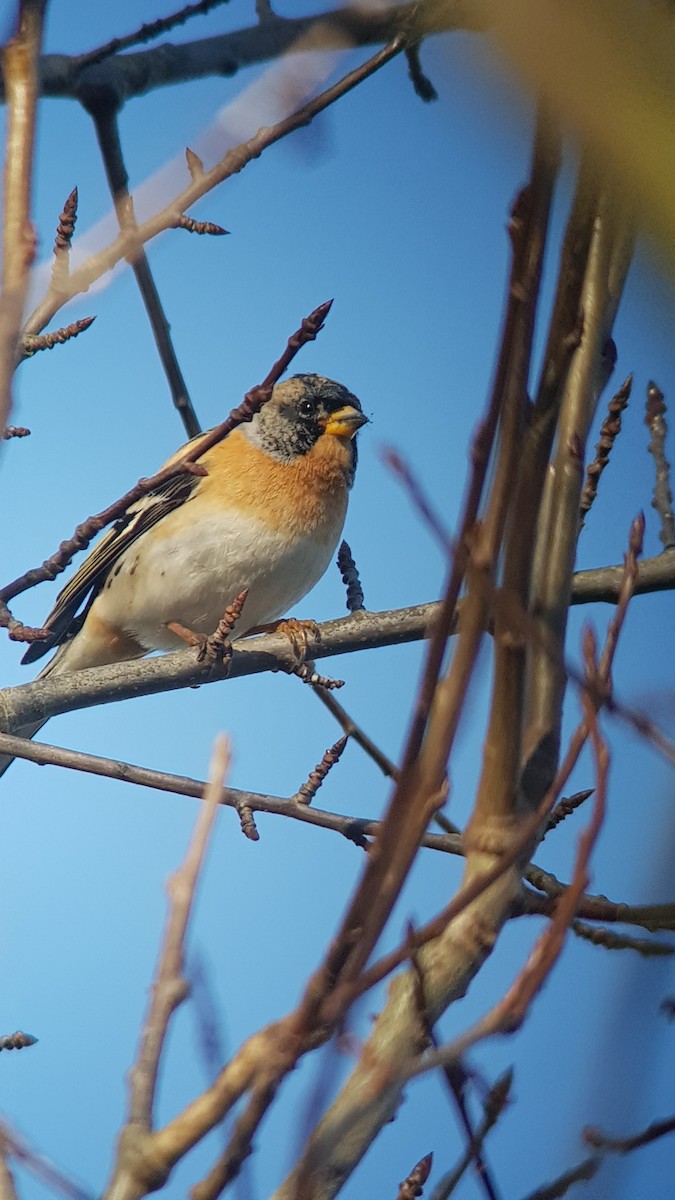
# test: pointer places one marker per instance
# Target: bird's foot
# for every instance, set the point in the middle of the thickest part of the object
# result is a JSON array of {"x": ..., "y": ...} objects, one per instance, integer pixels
[
  {"x": 215, "y": 646},
  {"x": 299, "y": 634},
  {"x": 210, "y": 648}
]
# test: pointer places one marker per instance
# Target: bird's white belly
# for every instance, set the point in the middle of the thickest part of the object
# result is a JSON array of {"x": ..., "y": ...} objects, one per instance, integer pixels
[{"x": 191, "y": 577}]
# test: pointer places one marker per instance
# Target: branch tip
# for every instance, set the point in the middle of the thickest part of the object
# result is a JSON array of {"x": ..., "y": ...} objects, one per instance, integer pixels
[
  {"x": 194, "y": 164},
  {"x": 201, "y": 227},
  {"x": 308, "y": 790}
]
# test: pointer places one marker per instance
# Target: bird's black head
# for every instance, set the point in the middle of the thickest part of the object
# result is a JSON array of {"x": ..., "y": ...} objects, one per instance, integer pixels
[{"x": 302, "y": 410}]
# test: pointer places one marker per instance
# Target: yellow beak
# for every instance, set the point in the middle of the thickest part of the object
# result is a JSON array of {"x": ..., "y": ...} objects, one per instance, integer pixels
[{"x": 344, "y": 422}]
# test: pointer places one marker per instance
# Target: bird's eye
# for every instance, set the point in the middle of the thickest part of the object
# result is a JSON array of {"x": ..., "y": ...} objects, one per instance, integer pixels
[{"x": 306, "y": 408}]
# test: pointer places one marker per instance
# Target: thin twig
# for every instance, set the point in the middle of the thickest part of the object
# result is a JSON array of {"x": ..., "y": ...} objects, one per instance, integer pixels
[
  {"x": 423, "y": 86},
  {"x": 356, "y": 733},
  {"x": 131, "y": 239},
  {"x": 610, "y": 940},
  {"x": 355, "y": 829},
  {"x": 107, "y": 132},
  {"x": 208, "y": 1014},
  {"x": 418, "y": 497},
  {"x": 593, "y": 908},
  {"x": 228, "y": 1165},
  {"x": 610, "y": 430},
  {"x": 170, "y": 987},
  {"x": 247, "y": 821},
  {"x": 201, "y": 227},
  {"x": 602, "y": 1141},
  {"x": 565, "y": 807},
  {"x": 307, "y": 791},
  {"x": 413, "y": 1184},
  {"x": 64, "y": 236},
  {"x": 350, "y": 577},
  {"x": 559, "y": 1187},
  {"x": 34, "y": 342},
  {"x": 146, "y": 33},
  {"x": 663, "y": 496},
  {"x": 39, "y": 1165},
  {"x": 495, "y": 1102},
  {"x": 7, "y": 1185}
]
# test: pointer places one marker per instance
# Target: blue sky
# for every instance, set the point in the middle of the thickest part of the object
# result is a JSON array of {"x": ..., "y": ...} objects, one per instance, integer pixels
[{"x": 398, "y": 210}]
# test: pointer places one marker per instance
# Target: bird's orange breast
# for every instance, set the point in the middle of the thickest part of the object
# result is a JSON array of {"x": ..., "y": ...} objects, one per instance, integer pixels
[{"x": 307, "y": 495}]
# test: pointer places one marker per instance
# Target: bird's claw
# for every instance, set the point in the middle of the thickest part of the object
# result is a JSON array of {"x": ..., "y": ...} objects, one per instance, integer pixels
[{"x": 210, "y": 648}]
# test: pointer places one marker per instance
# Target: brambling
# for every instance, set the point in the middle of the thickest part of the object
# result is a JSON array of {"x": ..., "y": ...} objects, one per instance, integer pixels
[{"x": 266, "y": 517}]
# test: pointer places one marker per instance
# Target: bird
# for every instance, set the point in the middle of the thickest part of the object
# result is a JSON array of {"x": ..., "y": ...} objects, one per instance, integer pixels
[{"x": 265, "y": 519}]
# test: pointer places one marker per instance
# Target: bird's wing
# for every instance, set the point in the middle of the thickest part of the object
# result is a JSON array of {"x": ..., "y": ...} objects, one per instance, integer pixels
[{"x": 63, "y": 620}]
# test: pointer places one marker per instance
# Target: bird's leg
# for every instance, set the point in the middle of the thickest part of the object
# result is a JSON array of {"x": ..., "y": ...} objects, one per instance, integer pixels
[
  {"x": 216, "y": 645},
  {"x": 186, "y": 635}
]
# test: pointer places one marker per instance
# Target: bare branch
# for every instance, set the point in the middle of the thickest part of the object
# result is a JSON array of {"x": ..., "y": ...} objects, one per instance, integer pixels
[
  {"x": 32, "y": 342},
  {"x": 423, "y": 86},
  {"x": 147, "y": 32},
  {"x": 350, "y": 577},
  {"x": 21, "y": 81},
  {"x": 38, "y": 1165},
  {"x": 663, "y": 496},
  {"x": 133, "y": 237},
  {"x": 584, "y": 1170},
  {"x": 201, "y": 227},
  {"x": 355, "y": 829},
  {"x": 611, "y": 940},
  {"x": 134, "y": 74},
  {"x": 610, "y": 430},
  {"x": 413, "y": 1185},
  {"x": 64, "y": 236},
  {"x": 307, "y": 791},
  {"x": 495, "y": 1102},
  {"x": 7, "y": 1185},
  {"x": 420, "y": 501},
  {"x": 602, "y": 1141},
  {"x": 170, "y": 987},
  {"x": 357, "y": 734},
  {"x": 107, "y": 132}
]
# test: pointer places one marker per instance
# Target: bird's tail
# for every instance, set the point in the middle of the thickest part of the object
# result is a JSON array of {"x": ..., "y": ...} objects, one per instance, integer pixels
[
  {"x": 26, "y": 731},
  {"x": 55, "y": 665}
]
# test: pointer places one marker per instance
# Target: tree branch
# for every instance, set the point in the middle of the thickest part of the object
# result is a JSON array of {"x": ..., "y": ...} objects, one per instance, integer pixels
[
  {"x": 20, "y": 76},
  {"x": 134, "y": 74}
]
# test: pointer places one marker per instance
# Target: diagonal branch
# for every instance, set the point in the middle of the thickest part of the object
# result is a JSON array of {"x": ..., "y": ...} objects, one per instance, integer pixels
[
  {"x": 107, "y": 132},
  {"x": 130, "y": 240}
]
